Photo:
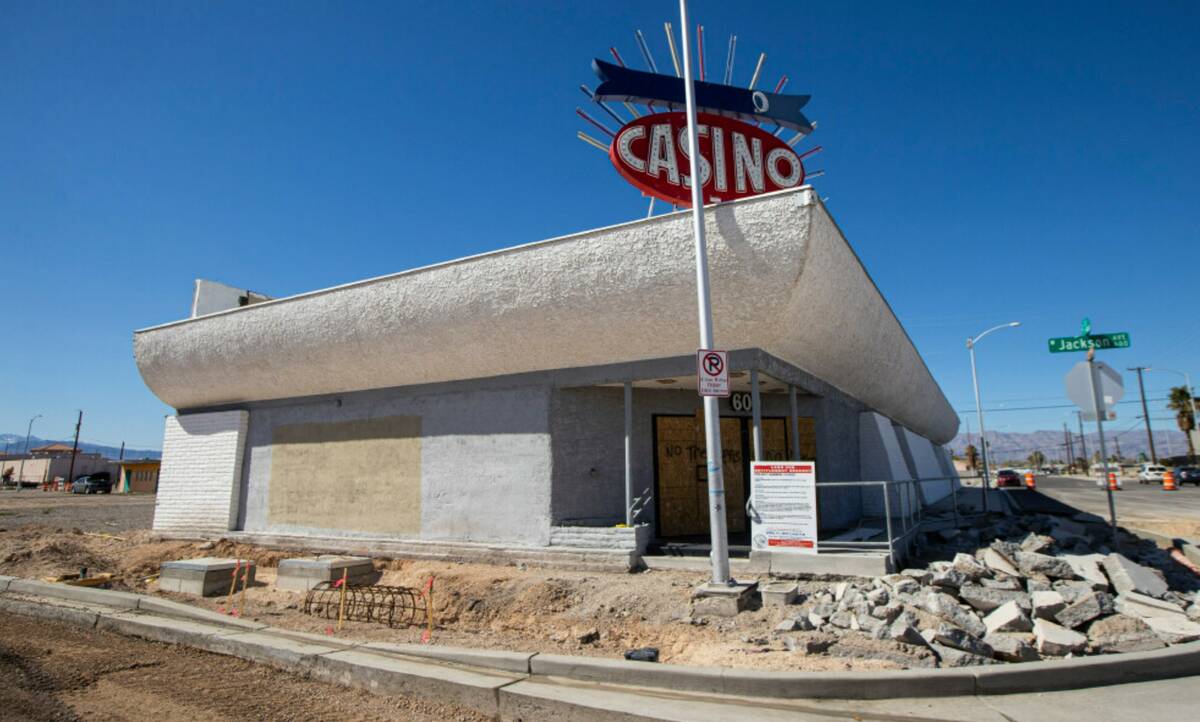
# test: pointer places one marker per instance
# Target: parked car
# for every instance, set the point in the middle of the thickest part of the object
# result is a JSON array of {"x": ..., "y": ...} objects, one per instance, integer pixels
[
  {"x": 1151, "y": 473},
  {"x": 98, "y": 483},
  {"x": 1187, "y": 475},
  {"x": 1008, "y": 477}
]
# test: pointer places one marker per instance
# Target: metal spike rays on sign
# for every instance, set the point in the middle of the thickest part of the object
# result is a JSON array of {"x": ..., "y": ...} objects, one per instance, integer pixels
[
  {"x": 603, "y": 106},
  {"x": 627, "y": 85},
  {"x": 628, "y": 106},
  {"x": 729, "y": 60}
]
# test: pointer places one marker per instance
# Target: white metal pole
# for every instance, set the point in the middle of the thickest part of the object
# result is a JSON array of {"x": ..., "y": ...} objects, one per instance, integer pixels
[
  {"x": 982, "y": 434},
  {"x": 629, "y": 453},
  {"x": 756, "y": 413},
  {"x": 794, "y": 420},
  {"x": 712, "y": 421},
  {"x": 1099, "y": 409}
]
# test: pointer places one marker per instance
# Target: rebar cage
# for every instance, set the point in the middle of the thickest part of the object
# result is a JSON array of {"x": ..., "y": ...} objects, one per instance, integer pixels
[{"x": 393, "y": 606}]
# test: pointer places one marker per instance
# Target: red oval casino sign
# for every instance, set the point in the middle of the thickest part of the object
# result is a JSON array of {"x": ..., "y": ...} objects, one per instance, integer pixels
[{"x": 737, "y": 159}]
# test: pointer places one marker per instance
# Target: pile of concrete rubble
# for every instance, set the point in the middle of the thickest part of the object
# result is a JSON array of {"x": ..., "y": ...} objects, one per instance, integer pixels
[{"x": 1045, "y": 587}]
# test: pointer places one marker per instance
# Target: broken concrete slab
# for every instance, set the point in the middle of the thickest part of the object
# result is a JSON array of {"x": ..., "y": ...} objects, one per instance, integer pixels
[
  {"x": 966, "y": 564},
  {"x": 1056, "y": 640},
  {"x": 1089, "y": 607},
  {"x": 810, "y": 643},
  {"x": 985, "y": 599},
  {"x": 946, "y": 607},
  {"x": 1088, "y": 567},
  {"x": 1047, "y": 604},
  {"x": 951, "y": 657},
  {"x": 960, "y": 639},
  {"x": 1140, "y": 605},
  {"x": 1012, "y": 647},
  {"x": 1031, "y": 563},
  {"x": 1122, "y": 633},
  {"x": 1174, "y": 630},
  {"x": 204, "y": 577},
  {"x": 999, "y": 563},
  {"x": 1128, "y": 576},
  {"x": 1008, "y": 617},
  {"x": 907, "y": 655},
  {"x": 719, "y": 600},
  {"x": 303, "y": 574}
]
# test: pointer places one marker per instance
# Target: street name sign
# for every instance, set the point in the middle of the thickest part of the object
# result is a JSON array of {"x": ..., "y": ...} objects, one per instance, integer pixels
[
  {"x": 712, "y": 372},
  {"x": 784, "y": 506},
  {"x": 1086, "y": 343},
  {"x": 1109, "y": 387}
]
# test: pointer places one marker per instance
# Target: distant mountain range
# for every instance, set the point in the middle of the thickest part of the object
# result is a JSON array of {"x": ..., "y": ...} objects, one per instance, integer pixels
[
  {"x": 1016, "y": 446},
  {"x": 16, "y": 443}
]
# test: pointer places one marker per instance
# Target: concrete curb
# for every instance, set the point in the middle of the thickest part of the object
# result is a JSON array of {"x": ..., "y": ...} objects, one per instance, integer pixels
[{"x": 475, "y": 677}]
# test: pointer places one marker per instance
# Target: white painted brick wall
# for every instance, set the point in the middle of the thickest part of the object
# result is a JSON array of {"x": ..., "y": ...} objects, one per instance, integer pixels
[{"x": 201, "y": 471}]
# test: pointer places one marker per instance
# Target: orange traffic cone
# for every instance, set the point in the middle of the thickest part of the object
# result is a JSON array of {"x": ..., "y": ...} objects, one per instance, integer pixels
[
  {"x": 1113, "y": 484},
  {"x": 1169, "y": 481},
  {"x": 1029, "y": 483}
]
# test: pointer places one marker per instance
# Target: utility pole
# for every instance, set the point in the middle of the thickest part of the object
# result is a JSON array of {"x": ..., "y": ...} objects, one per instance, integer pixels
[
  {"x": 1145, "y": 412},
  {"x": 1098, "y": 406},
  {"x": 1083, "y": 444},
  {"x": 1117, "y": 441},
  {"x": 74, "y": 449},
  {"x": 1070, "y": 448},
  {"x": 28, "y": 431}
]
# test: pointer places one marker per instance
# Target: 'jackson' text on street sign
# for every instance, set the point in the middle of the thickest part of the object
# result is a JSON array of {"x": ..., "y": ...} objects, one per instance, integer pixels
[{"x": 1085, "y": 343}]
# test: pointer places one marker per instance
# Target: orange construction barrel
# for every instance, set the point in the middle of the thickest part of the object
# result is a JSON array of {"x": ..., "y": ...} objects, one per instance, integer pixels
[
  {"x": 1113, "y": 483},
  {"x": 1029, "y": 482},
  {"x": 1169, "y": 481}
]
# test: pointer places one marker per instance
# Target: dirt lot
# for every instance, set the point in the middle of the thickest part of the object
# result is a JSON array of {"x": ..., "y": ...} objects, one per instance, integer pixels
[
  {"x": 475, "y": 605},
  {"x": 98, "y": 513},
  {"x": 53, "y": 671}
]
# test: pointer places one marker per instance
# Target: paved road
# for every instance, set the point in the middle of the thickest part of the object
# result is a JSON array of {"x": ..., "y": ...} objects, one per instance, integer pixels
[
  {"x": 89, "y": 512},
  {"x": 1135, "y": 502}
]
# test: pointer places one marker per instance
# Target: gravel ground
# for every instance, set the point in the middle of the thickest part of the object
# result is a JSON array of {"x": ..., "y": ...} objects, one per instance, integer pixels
[
  {"x": 53, "y": 671},
  {"x": 88, "y": 512}
]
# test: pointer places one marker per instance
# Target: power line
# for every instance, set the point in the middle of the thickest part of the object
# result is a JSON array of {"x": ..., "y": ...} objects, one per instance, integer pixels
[{"x": 1037, "y": 408}]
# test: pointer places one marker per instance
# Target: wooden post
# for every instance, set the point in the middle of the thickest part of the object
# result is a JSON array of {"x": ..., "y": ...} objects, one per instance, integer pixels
[
  {"x": 342, "y": 599},
  {"x": 237, "y": 567},
  {"x": 245, "y": 583}
]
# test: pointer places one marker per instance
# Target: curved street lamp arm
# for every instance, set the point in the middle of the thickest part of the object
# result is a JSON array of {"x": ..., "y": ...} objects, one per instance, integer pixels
[{"x": 1011, "y": 324}]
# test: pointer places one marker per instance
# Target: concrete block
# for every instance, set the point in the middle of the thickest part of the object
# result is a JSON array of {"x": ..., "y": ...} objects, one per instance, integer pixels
[
  {"x": 83, "y": 595},
  {"x": 1128, "y": 576},
  {"x": 1009, "y": 617},
  {"x": 1174, "y": 630},
  {"x": 779, "y": 594},
  {"x": 721, "y": 601},
  {"x": 946, "y": 607},
  {"x": 303, "y": 574},
  {"x": 386, "y": 674},
  {"x": 206, "y": 577},
  {"x": 517, "y": 662},
  {"x": 959, "y": 639},
  {"x": 1140, "y": 605},
  {"x": 158, "y": 605},
  {"x": 967, "y": 564},
  {"x": 1056, "y": 640},
  {"x": 1031, "y": 563}
]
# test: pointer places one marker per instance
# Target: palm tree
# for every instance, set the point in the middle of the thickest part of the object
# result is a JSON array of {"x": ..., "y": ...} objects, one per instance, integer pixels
[
  {"x": 972, "y": 455},
  {"x": 1037, "y": 460},
  {"x": 1180, "y": 401}
]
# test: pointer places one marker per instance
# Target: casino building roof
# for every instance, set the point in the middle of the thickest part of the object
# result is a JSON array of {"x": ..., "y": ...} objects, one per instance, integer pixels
[{"x": 784, "y": 280}]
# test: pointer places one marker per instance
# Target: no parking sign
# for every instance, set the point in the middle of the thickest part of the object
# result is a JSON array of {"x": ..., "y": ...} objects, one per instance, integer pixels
[{"x": 712, "y": 372}]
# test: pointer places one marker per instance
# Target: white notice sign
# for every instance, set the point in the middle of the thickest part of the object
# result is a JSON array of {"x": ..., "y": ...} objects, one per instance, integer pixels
[
  {"x": 712, "y": 372},
  {"x": 784, "y": 506}
]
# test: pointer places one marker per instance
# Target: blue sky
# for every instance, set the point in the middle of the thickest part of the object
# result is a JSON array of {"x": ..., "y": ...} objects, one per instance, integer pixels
[{"x": 988, "y": 161}]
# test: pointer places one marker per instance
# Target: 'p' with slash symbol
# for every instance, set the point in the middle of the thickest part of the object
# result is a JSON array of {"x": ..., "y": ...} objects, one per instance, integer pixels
[{"x": 713, "y": 365}]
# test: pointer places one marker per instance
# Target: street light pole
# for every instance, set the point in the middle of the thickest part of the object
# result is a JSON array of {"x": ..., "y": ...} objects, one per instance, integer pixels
[
  {"x": 25, "y": 453},
  {"x": 979, "y": 407}
]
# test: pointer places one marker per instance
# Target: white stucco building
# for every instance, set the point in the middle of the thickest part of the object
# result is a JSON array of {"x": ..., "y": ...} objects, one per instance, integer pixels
[{"x": 480, "y": 404}]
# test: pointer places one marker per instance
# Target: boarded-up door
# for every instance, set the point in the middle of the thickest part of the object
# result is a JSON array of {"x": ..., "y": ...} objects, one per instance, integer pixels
[{"x": 683, "y": 475}]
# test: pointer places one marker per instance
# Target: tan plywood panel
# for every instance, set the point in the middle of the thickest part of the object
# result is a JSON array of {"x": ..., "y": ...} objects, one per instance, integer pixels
[{"x": 361, "y": 475}]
